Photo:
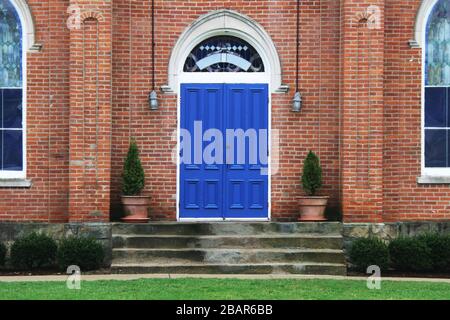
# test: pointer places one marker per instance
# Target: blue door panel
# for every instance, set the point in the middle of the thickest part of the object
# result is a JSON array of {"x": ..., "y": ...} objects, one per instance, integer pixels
[
  {"x": 201, "y": 103},
  {"x": 256, "y": 194},
  {"x": 192, "y": 194},
  {"x": 233, "y": 188},
  {"x": 247, "y": 109},
  {"x": 212, "y": 195},
  {"x": 236, "y": 194}
]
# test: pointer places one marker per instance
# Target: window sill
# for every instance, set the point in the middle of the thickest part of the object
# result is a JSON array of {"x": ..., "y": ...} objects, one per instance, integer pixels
[
  {"x": 15, "y": 183},
  {"x": 433, "y": 180}
]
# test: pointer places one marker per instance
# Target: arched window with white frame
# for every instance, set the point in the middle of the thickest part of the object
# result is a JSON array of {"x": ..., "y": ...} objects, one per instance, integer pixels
[
  {"x": 436, "y": 109},
  {"x": 12, "y": 93}
]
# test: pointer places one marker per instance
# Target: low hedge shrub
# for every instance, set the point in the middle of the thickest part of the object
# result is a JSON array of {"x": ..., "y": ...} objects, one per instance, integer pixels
[
  {"x": 369, "y": 251},
  {"x": 2, "y": 254},
  {"x": 439, "y": 246},
  {"x": 410, "y": 254},
  {"x": 86, "y": 253},
  {"x": 33, "y": 251}
]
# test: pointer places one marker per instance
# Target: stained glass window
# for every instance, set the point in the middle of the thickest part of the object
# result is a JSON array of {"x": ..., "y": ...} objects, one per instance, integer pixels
[
  {"x": 10, "y": 46},
  {"x": 224, "y": 54},
  {"x": 11, "y": 92},
  {"x": 437, "y": 87}
]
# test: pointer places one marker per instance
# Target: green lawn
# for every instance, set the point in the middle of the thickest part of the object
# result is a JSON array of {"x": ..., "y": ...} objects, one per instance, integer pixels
[{"x": 224, "y": 289}]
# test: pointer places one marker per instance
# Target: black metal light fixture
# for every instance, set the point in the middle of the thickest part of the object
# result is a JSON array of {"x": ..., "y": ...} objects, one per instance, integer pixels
[
  {"x": 153, "y": 97},
  {"x": 297, "y": 102}
]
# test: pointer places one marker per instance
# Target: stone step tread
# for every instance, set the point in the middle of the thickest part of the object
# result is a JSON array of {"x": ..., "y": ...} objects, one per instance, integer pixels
[
  {"x": 268, "y": 236},
  {"x": 238, "y": 228},
  {"x": 268, "y": 250},
  {"x": 187, "y": 265},
  {"x": 227, "y": 255}
]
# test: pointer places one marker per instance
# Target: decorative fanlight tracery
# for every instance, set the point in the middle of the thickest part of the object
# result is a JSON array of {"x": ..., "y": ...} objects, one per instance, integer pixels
[{"x": 224, "y": 54}]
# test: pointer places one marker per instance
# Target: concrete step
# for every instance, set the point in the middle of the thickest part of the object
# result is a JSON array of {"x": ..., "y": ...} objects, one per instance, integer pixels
[
  {"x": 227, "y": 256},
  {"x": 294, "y": 241},
  {"x": 227, "y": 228},
  {"x": 250, "y": 268},
  {"x": 229, "y": 248}
]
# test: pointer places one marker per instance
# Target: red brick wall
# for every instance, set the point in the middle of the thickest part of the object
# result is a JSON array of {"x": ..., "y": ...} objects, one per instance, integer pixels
[{"x": 361, "y": 112}]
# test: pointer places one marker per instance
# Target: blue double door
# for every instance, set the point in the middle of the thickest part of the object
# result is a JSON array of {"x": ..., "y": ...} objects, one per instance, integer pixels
[{"x": 224, "y": 151}]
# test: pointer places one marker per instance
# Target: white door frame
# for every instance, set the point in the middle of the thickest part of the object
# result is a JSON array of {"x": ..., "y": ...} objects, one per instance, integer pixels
[{"x": 225, "y": 78}]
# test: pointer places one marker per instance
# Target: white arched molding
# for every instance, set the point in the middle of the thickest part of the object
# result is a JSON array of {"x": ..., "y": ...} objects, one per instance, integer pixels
[
  {"x": 421, "y": 23},
  {"x": 225, "y": 22},
  {"x": 26, "y": 18}
]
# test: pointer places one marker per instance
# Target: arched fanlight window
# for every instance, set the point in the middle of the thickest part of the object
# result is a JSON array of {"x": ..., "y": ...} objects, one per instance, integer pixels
[
  {"x": 224, "y": 54},
  {"x": 11, "y": 92}
]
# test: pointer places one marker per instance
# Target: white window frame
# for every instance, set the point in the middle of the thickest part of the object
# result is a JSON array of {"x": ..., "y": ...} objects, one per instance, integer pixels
[
  {"x": 27, "y": 25},
  {"x": 428, "y": 174}
]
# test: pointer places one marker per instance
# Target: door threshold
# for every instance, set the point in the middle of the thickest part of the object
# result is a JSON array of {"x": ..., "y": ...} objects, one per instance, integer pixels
[{"x": 223, "y": 220}]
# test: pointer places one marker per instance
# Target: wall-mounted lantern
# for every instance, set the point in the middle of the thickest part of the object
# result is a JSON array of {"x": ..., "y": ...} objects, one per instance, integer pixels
[
  {"x": 153, "y": 101},
  {"x": 297, "y": 102},
  {"x": 153, "y": 97}
]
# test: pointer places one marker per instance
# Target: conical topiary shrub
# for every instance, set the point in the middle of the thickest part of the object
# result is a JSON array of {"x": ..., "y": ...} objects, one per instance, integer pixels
[
  {"x": 312, "y": 208},
  {"x": 133, "y": 174},
  {"x": 312, "y": 174},
  {"x": 135, "y": 205}
]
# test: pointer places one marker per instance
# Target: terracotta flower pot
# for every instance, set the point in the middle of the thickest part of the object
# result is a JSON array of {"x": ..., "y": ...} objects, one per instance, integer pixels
[
  {"x": 313, "y": 208},
  {"x": 136, "y": 209}
]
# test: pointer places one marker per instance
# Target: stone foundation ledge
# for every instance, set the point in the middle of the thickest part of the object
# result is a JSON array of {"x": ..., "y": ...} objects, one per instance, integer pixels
[{"x": 10, "y": 231}]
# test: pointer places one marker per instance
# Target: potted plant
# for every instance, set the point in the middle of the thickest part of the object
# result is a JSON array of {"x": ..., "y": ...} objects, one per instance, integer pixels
[
  {"x": 312, "y": 207},
  {"x": 133, "y": 177}
]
